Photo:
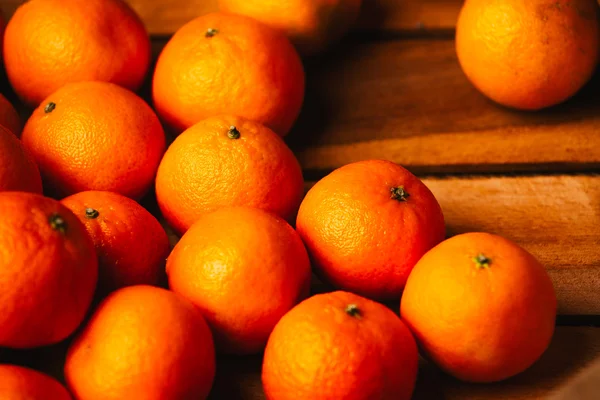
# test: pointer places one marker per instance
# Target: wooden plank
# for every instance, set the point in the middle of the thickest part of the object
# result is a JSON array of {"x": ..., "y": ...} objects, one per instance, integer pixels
[
  {"x": 406, "y": 15},
  {"x": 556, "y": 218},
  {"x": 163, "y": 17},
  {"x": 409, "y": 101},
  {"x": 571, "y": 350}
]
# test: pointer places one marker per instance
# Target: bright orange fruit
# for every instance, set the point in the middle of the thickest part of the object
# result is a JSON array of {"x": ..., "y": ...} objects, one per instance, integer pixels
[
  {"x": 340, "y": 346},
  {"x": 95, "y": 136},
  {"x": 131, "y": 244},
  {"x": 311, "y": 25},
  {"x": 480, "y": 306},
  {"x": 19, "y": 383},
  {"x": 18, "y": 170},
  {"x": 49, "y": 43},
  {"x": 366, "y": 225},
  {"x": 244, "y": 269},
  {"x": 142, "y": 343},
  {"x": 227, "y": 161},
  {"x": 228, "y": 64},
  {"x": 528, "y": 54},
  {"x": 48, "y": 270}
]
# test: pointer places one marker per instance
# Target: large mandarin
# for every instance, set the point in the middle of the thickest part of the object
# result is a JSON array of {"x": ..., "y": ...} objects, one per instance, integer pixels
[
  {"x": 48, "y": 271},
  {"x": 228, "y": 64},
  {"x": 528, "y": 54},
  {"x": 49, "y": 43},
  {"x": 142, "y": 343},
  {"x": 367, "y": 224},
  {"x": 95, "y": 136},
  {"x": 481, "y": 307},
  {"x": 340, "y": 346}
]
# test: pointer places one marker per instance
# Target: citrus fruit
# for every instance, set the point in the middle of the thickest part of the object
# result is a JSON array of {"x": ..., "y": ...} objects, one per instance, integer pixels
[
  {"x": 310, "y": 25},
  {"x": 244, "y": 269},
  {"x": 49, "y": 43},
  {"x": 131, "y": 244},
  {"x": 340, "y": 346},
  {"x": 480, "y": 306},
  {"x": 19, "y": 383},
  {"x": 95, "y": 136},
  {"x": 18, "y": 170},
  {"x": 228, "y": 64},
  {"x": 48, "y": 271},
  {"x": 9, "y": 118},
  {"x": 528, "y": 54},
  {"x": 142, "y": 343},
  {"x": 366, "y": 225},
  {"x": 227, "y": 161}
]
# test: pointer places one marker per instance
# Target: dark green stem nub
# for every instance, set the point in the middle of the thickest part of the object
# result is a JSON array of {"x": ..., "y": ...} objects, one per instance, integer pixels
[
  {"x": 353, "y": 310},
  {"x": 91, "y": 213},
  {"x": 482, "y": 261},
  {"x": 210, "y": 32},
  {"x": 398, "y": 193},
  {"x": 49, "y": 107},
  {"x": 58, "y": 223},
  {"x": 233, "y": 133}
]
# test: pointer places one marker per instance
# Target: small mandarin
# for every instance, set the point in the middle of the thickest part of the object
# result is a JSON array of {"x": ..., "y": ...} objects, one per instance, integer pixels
[
  {"x": 227, "y": 161},
  {"x": 244, "y": 269}
]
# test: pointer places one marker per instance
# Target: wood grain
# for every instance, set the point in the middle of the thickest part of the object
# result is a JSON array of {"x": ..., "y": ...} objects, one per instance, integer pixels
[
  {"x": 571, "y": 350},
  {"x": 163, "y": 17},
  {"x": 556, "y": 218},
  {"x": 409, "y": 101}
]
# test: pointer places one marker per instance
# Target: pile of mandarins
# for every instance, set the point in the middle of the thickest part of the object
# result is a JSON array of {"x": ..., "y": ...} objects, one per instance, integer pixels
[{"x": 229, "y": 87}]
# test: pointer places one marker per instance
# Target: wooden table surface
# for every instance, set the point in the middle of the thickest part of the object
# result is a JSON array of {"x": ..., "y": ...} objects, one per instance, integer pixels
[{"x": 393, "y": 89}]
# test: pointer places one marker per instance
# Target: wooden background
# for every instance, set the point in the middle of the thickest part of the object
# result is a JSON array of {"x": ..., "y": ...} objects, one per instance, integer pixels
[{"x": 393, "y": 89}]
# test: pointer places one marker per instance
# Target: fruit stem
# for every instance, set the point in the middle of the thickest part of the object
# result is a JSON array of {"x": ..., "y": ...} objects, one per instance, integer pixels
[
  {"x": 398, "y": 193},
  {"x": 91, "y": 213},
  {"x": 210, "y": 32},
  {"x": 353, "y": 310},
  {"x": 58, "y": 223},
  {"x": 49, "y": 107},
  {"x": 233, "y": 133},
  {"x": 481, "y": 261}
]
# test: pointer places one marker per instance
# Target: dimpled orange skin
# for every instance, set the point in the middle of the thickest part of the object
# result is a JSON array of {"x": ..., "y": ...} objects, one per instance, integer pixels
[
  {"x": 311, "y": 25},
  {"x": 49, "y": 43},
  {"x": 340, "y": 346},
  {"x": 528, "y": 54},
  {"x": 480, "y": 324},
  {"x": 204, "y": 169},
  {"x": 243, "y": 68},
  {"x": 19, "y": 383},
  {"x": 98, "y": 136},
  {"x": 18, "y": 170},
  {"x": 48, "y": 271},
  {"x": 361, "y": 239},
  {"x": 9, "y": 118},
  {"x": 142, "y": 343},
  {"x": 131, "y": 244},
  {"x": 244, "y": 268}
]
